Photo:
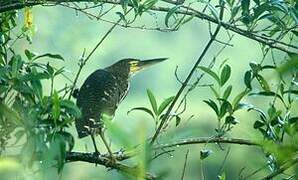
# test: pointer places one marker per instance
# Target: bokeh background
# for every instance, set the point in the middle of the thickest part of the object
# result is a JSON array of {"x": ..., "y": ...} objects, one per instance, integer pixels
[{"x": 63, "y": 31}]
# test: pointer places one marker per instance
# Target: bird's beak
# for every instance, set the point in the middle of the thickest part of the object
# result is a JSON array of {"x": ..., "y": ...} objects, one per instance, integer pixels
[
  {"x": 137, "y": 66},
  {"x": 149, "y": 62}
]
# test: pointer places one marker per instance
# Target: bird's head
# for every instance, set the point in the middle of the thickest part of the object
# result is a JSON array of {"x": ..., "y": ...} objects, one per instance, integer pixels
[{"x": 131, "y": 66}]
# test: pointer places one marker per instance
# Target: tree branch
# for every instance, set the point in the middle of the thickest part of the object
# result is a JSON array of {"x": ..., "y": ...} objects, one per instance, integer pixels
[
  {"x": 203, "y": 140},
  {"x": 121, "y": 155},
  {"x": 16, "y": 4},
  {"x": 105, "y": 160}
]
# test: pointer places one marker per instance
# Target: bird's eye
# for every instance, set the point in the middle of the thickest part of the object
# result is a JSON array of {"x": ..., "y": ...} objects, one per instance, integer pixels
[{"x": 133, "y": 63}]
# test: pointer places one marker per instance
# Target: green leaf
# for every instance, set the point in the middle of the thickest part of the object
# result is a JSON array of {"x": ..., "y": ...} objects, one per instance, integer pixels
[
  {"x": 50, "y": 69},
  {"x": 53, "y": 56},
  {"x": 243, "y": 106},
  {"x": 267, "y": 93},
  {"x": 224, "y": 108},
  {"x": 36, "y": 85},
  {"x": 238, "y": 98},
  {"x": 255, "y": 67},
  {"x": 170, "y": 13},
  {"x": 222, "y": 177},
  {"x": 122, "y": 17},
  {"x": 211, "y": 8},
  {"x": 227, "y": 92},
  {"x": 34, "y": 76},
  {"x": 148, "y": 4},
  {"x": 70, "y": 108},
  {"x": 245, "y": 6},
  {"x": 11, "y": 115},
  {"x": 225, "y": 74},
  {"x": 213, "y": 105},
  {"x": 291, "y": 64},
  {"x": 257, "y": 2},
  {"x": 17, "y": 63},
  {"x": 259, "y": 10},
  {"x": 295, "y": 32},
  {"x": 152, "y": 101},
  {"x": 231, "y": 120},
  {"x": 57, "y": 151},
  {"x": 210, "y": 72},
  {"x": 216, "y": 94},
  {"x": 59, "y": 71},
  {"x": 178, "y": 120},
  {"x": 263, "y": 82},
  {"x": 68, "y": 138},
  {"x": 204, "y": 153},
  {"x": 142, "y": 109},
  {"x": 165, "y": 104},
  {"x": 248, "y": 79},
  {"x": 124, "y": 4},
  {"x": 260, "y": 112},
  {"x": 291, "y": 92},
  {"x": 29, "y": 54},
  {"x": 293, "y": 120},
  {"x": 258, "y": 124},
  {"x": 56, "y": 106}
]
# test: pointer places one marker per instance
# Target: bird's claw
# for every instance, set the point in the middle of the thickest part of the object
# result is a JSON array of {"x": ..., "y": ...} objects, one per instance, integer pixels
[
  {"x": 112, "y": 160},
  {"x": 96, "y": 153}
]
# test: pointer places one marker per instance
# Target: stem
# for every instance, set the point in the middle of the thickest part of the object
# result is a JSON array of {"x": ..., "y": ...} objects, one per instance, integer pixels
[
  {"x": 284, "y": 167},
  {"x": 202, "y": 140},
  {"x": 184, "y": 84},
  {"x": 184, "y": 166},
  {"x": 84, "y": 61},
  {"x": 16, "y": 4}
]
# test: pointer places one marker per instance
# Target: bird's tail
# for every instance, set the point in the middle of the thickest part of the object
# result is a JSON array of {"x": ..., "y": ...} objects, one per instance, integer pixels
[{"x": 86, "y": 126}]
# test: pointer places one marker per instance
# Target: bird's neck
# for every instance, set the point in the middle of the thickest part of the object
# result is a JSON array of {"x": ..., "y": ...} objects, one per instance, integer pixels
[{"x": 118, "y": 73}]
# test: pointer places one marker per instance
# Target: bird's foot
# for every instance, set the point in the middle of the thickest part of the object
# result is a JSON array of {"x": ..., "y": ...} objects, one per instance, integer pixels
[
  {"x": 112, "y": 160},
  {"x": 96, "y": 153}
]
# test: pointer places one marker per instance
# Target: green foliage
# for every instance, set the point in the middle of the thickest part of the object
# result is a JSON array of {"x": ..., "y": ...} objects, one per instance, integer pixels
[
  {"x": 39, "y": 119},
  {"x": 204, "y": 153},
  {"x": 157, "y": 111},
  {"x": 223, "y": 106},
  {"x": 27, "y": 113}
]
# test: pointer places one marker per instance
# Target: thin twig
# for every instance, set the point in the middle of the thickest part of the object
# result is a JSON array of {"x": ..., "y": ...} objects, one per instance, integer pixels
[
  {"x": 220, "y": 171},
  {"x": 282, "y": 168},
  {"x": 202, "y": 140},
  {"x": 166, "y": 116},
  {"x": 14, "y": 5},
  {"x": 184, "y": 166},
  {"x": 84, "y": 61}
]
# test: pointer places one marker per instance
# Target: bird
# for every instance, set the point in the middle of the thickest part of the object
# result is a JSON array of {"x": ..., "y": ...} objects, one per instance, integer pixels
[{"x": 102, "y": 92}]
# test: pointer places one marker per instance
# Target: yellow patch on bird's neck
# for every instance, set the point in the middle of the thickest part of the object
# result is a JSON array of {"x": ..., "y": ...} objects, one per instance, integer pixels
[{"x": 134, "y": 67}]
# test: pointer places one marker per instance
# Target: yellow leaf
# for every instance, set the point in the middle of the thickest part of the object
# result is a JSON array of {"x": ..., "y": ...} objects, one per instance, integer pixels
[{"x": 28, "y": 17}]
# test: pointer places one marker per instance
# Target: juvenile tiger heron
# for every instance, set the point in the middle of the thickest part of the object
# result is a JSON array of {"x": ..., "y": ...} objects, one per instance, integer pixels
[{"x": 102, "y": 92}]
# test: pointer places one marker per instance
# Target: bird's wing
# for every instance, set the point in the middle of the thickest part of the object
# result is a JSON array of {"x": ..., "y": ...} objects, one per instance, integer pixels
[{"x": 99, "y": 94}]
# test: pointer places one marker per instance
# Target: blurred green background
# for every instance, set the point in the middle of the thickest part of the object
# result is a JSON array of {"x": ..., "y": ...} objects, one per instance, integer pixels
[{"x": 62, "y": 31}]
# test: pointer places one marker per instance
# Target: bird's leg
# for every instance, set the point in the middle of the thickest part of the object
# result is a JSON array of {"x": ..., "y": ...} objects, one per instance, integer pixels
[
  {"x": 94, "y": 144},
  {"x": 113, "y": 159}
]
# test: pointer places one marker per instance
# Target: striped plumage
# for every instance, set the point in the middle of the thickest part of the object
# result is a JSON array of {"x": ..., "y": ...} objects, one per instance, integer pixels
[{"x": 102, "y": 92}]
